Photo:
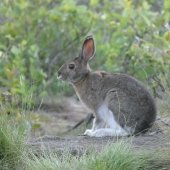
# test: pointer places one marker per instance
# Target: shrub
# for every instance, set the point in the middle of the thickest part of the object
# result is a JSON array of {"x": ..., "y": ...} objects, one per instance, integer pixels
[{"x": 37, "y": 36}]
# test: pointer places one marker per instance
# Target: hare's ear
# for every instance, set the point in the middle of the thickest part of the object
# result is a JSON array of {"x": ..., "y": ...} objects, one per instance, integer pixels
[{"x": 88, "y": 48}]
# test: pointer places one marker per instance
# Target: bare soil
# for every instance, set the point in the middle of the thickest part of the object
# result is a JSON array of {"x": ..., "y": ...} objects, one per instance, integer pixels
[{"x": 78, "y": 145}]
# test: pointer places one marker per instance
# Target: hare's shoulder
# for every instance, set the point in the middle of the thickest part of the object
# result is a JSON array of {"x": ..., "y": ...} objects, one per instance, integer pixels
[{"x": 104, "y": 74}]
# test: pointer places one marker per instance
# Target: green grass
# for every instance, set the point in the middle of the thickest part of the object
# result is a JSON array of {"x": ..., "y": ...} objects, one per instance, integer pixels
[
  {"x": 12, "y": 143},
  {"x": 117, "y": 156}
]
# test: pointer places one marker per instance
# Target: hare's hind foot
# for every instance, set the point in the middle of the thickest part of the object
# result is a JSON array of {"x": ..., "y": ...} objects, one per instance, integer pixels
[{"x": 105, "y": 132}]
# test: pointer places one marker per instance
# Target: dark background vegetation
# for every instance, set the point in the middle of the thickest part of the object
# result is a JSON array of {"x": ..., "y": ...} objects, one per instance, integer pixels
[{"x": 37, "y": 36}]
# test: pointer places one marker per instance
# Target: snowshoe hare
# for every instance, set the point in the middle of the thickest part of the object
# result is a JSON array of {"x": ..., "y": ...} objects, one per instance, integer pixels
[{"x": 121, "y": 104}]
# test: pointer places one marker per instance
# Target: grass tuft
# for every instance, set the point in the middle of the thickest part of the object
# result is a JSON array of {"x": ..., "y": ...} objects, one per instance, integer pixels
[
  {"x": 117, "y": 156},
  {"x": 12, "y": 147}
]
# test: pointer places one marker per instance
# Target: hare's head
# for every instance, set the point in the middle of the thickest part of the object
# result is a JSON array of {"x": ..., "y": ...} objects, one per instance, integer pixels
[{"x": 77, "y": 69}]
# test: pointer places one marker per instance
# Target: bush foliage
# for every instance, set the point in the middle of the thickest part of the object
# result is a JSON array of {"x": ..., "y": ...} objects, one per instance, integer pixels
[{"x": 37, "y": 36}]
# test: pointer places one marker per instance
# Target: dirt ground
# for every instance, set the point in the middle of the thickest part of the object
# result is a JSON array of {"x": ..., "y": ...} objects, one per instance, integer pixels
[
  {"x": 58, "y": 117},
  {"x": 77, "y": 145}
]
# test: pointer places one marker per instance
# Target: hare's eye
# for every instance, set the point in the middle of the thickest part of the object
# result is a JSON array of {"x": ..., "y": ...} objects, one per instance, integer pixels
[{"x": 71, "y": 66}]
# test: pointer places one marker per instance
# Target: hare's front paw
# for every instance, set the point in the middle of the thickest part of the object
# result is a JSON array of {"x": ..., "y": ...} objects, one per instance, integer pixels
[
  {"x": 88, "y": 132},
  {"x": 95, "y": 133}
]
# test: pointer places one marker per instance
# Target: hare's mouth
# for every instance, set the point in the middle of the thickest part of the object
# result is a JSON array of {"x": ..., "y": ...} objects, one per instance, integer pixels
[{"x": 61, "y": 77}]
